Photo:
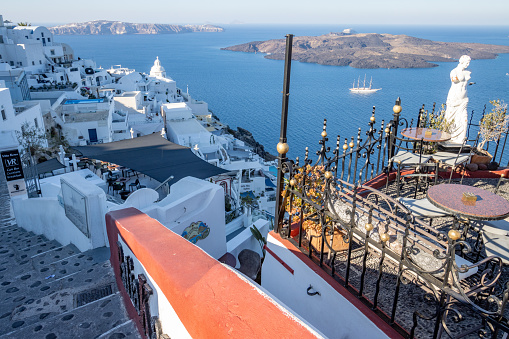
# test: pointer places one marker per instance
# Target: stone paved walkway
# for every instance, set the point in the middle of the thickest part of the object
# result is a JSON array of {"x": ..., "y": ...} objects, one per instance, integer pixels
[{"x": 52, "y": 291}]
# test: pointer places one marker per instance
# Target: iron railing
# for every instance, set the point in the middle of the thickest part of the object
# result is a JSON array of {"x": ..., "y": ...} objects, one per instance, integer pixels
[{"x": 406, "y": 271}]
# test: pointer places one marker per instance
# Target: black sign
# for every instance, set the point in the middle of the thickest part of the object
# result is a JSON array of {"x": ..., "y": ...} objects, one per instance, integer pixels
[{"x": 12, "y": 165}]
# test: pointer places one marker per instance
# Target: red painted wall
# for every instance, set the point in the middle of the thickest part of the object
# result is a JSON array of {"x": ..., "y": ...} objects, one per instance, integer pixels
[{"x": 211, "y": 300}]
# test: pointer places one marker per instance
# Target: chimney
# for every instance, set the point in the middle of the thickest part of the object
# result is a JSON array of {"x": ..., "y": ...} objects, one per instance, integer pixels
[{"x": 1, "y": 21}]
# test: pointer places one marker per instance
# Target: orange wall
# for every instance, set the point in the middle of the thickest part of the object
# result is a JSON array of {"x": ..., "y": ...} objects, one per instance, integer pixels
[{"x": 211, "y": 300}]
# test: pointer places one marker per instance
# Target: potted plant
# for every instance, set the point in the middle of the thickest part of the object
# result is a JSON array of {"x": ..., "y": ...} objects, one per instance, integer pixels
[
  {"x": 307, "y": 214},
  {"x": 491, "y": 127}
]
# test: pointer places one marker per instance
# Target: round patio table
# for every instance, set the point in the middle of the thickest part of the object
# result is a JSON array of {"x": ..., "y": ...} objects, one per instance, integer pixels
[
  {"x": 488, "y": 206},
  {"x": 418, "y": 133}
]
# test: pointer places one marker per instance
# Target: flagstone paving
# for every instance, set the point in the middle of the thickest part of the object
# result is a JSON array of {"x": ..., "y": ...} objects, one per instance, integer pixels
[{"x": 49, "y": 291}]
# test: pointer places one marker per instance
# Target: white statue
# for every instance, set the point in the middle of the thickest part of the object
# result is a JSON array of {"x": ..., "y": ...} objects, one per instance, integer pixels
[{"x": 457, "y": 101}]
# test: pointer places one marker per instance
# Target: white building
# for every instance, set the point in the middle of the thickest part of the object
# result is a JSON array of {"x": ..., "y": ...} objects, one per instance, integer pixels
[
  {"x": 183, "y": 129},
  {"x": 32, "y": 48},
  {"x": 13, "y": 117},
  {"x": 87, "y": 121}
]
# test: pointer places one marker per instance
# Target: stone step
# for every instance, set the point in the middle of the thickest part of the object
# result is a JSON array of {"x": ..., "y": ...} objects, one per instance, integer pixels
[
  {"x": 125, "y": 330},
  {"x": 32, "y": 290},
  {"x": 103, "y": 317},
  {"x": 38, "y": 284},
  {"x": 10, "y": 234}
]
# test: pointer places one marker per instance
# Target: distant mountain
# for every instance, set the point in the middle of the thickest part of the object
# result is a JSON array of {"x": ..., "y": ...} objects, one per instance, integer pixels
[
  {"x": 103, "y": 27},
  {"x": 371, "y": 50}
]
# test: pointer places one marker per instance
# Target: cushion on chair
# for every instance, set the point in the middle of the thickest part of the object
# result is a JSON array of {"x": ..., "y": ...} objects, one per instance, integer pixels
[
  {"x": 497, "y": 245},
  {"x": 407, "y": 158},
  {"x": 500, "y": 227},
  {"x": 450, "y": 158},
  {"x": 453, "y": 147},
  {"x": 422, "y": 208}
]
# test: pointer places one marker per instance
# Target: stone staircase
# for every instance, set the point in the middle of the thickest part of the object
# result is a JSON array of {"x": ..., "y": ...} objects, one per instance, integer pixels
[{"x": 52, "y": 291}]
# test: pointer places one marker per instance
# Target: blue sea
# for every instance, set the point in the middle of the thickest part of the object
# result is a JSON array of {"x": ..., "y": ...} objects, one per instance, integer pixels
[{"x": 244, "y": 89}]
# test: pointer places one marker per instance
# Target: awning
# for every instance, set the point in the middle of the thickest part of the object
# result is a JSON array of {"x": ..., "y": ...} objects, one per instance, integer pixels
[
  {"x": 49, "y": 166},
  {"x": 154, "y": 156}
]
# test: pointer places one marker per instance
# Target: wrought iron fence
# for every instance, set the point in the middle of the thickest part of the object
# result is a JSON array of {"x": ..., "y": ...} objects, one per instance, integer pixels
[
  {"x": 30, "y": 174},
  {"x": 409, "y": 273},
  {"x": 496, "y": 147}
]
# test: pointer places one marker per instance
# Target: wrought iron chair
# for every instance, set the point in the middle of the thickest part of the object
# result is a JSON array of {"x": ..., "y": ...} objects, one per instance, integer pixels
[
  {"x": 495, "y": 233},
  {"x": 423, "y": 209},
  {"x": 455, "y": 157},
  {"x": 410, "y": 156}
]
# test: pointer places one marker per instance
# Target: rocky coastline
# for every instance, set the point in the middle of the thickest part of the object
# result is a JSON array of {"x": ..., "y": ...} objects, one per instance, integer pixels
[
  {"x": 371, "y": 50},
  {"x": 247, "y": 137},
  {"x": 105, "y": 27}
]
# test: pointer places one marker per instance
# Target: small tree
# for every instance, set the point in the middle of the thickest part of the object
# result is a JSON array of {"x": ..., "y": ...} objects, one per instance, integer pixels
[
  {"x": 436, "y": 120},
  {"x": 24, "y": 24},
  {"x": 493, "y": 124},
  {"x": 30, "y": 138}
]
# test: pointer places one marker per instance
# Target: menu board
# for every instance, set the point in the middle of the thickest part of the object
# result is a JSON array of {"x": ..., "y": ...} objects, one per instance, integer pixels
[
  {"x": 13, "y": 170},
  {"x": 12, "y": 165}
]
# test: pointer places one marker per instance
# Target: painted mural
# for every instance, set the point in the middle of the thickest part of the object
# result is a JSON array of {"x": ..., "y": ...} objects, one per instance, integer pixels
[{"x": 196, "y": 231}]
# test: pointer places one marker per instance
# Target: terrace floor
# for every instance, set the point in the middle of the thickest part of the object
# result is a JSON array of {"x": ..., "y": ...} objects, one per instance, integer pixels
[{"x": 414, "y": 296}]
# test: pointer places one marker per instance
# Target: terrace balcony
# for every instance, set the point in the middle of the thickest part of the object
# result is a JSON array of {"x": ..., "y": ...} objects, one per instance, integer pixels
[{"x": 347, "y": 212}]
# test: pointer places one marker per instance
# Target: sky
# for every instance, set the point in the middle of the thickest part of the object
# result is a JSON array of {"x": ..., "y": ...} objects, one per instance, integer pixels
[{"x": 404, "y": 12}]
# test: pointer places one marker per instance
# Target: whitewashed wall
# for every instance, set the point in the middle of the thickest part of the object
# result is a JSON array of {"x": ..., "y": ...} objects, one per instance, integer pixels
[
  {"x": 192, "y": 200},
  {"x": 330, "y": 312},
  {"x": 47, "y": 216}
]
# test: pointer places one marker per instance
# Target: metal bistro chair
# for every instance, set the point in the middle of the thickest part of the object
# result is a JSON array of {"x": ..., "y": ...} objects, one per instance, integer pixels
[
  {"x": 136, "y": 184},
  {"x": 495, "y": 233},
  {"x": 409, "y": 156},
  {"x": 117, "y": 186},
  {"x": 455, "y": 156}
]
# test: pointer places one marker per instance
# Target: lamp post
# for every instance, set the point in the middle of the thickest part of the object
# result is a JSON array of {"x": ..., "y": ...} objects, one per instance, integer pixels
[{"x": 282, "y": 146}]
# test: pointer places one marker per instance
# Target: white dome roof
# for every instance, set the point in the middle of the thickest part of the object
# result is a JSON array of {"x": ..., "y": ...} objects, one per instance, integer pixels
[{"x": 157, "y": 69}]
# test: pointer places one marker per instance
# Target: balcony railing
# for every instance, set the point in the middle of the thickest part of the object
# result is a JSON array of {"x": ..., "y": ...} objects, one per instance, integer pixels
[{"x": 420, "y": 280}]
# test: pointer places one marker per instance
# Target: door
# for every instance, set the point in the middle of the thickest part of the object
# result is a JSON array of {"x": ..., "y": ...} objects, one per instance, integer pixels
[{"x": 92, "y": 135}]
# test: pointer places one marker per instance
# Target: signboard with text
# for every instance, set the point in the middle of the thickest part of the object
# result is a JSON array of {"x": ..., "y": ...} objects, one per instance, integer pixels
[
  {"x": 13, "y": 170},
  {"x": 12, "y": 165}
]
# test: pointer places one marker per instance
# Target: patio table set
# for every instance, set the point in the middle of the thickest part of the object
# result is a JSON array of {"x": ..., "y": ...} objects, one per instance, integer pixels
[{"x": 463, "y": 203}]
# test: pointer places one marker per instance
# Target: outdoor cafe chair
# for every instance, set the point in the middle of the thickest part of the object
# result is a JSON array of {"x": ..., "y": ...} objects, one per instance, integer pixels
[
  {"x": 423, "y": 173},
  {"x": 495, "y": 233},
  {"x": 408, "y": 152},
  {"x": 409, "y": 155},
  {"x": 423, "y": 209},
  {"x": 456, "y": 157},
  {"x": 136, "y": 184},
  {"x": 117, "y": 186}
]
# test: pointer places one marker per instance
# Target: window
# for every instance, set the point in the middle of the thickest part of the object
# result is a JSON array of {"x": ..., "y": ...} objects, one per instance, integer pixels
[
  {"x": 4, "y": 117},
  {"x": 11, "y": 63},
  {"x": 61, "y": 78},
  {"x": 42, "y": 34},
  {"x": 52, "y": 52},
  {"x": 33, "y": 63},
  {"x": 40, "y": 62},
  {"x": 0, "y": 56},
  {"x": 49, "y": 40},
  {"x": 38, "y": 38},
  {"x": 36, "y": 123}
]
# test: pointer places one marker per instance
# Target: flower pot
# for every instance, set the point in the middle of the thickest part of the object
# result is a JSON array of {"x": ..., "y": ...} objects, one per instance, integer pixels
[
  {"x": 338, "y": 244},
  {"x": 481, "y": 159}
]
